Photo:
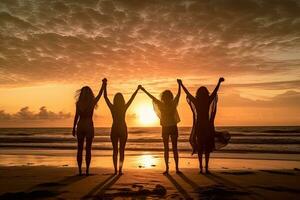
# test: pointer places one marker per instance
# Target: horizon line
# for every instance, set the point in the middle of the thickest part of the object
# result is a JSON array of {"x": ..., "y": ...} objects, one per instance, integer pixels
[{"x": 158, "y": 126}]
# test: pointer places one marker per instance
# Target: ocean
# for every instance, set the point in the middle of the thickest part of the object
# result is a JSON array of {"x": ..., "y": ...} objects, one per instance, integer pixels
[{"x": 267, "y": 139}]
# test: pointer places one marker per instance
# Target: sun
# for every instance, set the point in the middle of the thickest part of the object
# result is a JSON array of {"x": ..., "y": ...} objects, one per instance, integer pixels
[{"x": 146, "y": 114}]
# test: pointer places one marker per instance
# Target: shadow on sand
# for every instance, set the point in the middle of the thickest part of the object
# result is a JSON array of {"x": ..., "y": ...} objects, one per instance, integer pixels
[
  {"x": 225, "y": 188},
  {"x": 188, "y": 181},
  {"x": 222, "y": 189},
  {"x": 98, "y": 191},
  {"x": 43, "y": 190},
  {"x": 180, "y": 189}
]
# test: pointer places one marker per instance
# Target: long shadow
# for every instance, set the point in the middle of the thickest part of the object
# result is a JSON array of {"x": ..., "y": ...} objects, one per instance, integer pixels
[
  {"x": 189, "y": 181},
  {"x": 99, "y": 190},
  {"x": 224, "y": 181},
  {"x": 58, "y": 184},
  {"x": 43, "y": 190},
  {"x": 178, "y": 187}
]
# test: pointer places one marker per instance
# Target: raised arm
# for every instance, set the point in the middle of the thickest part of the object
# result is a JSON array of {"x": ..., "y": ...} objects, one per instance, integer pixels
[
  {"x": 190, "y": 96},
  {"x": 75, "y": 122},
  {"x": 214, "y": 93},
  {"x": 100, "y": 93},
  {"x": 132, "y": 97},
  {"x": 150, "y": 95},
  {"x": 176, "y": 99},
  {"x": 109, "y": 104}
]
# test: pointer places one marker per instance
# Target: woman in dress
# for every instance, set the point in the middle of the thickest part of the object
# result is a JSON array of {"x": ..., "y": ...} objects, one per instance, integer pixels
[
  {"x": 166, "y": 110},
  {"x": 119, "y": 128},
  {"x": 83, "y": 127},
  {"x": 203, "y": 133}
]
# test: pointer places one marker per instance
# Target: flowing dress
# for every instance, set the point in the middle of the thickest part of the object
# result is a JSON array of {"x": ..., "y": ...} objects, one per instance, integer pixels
[{"x": 203, "y": 135}]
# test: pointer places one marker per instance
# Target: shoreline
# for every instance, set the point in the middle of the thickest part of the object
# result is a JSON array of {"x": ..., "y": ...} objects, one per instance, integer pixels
[
  {"x": 52, "y": 174},
  {"x": 151, "y": 160}
]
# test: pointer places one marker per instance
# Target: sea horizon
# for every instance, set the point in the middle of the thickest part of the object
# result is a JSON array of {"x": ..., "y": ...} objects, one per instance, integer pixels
[{"x": 20, "y": 127}]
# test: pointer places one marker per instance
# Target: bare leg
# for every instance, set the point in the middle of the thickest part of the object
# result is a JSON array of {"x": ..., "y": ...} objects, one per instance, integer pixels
[
  {"x": 115, "y": 152},
  {"x": 122, "y": 153},
  {"x": 175, "y": 151},
  {"x": 200, "y": 160},
  {"x": 166, "y": 153},
  {"x": 88, "y": 153},
  {"x": 206, "y": 161},
  {"x": 80, "y": 142}
]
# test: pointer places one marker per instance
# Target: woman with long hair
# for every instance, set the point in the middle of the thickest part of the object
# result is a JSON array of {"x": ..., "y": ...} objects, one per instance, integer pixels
[
  {"x": 119, "y": 128},
  {"x": 203, "y": 132},
  {"x": 166, "y": 110},
  {"x": 83, "y": 127}
]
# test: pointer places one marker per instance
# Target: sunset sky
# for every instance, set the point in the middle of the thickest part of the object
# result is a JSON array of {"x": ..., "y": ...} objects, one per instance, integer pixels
[{"x": 49, "y": 49}]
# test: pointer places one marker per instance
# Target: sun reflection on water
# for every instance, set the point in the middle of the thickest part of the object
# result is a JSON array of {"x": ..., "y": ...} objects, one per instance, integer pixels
[{"x": 147, "y": 161}]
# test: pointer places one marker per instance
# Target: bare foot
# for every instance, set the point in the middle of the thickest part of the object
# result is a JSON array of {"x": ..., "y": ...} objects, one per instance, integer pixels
[{"x": 201, "y": 171}]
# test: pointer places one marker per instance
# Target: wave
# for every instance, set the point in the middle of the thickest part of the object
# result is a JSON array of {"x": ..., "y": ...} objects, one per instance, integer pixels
[
  {"x": 18, "y": 134},
  {"x": 265, "y": 135},
  {"x": 64, "y": 140},
  {"x": 149, "y": 130},
  {"x": 281, "y": 131}
]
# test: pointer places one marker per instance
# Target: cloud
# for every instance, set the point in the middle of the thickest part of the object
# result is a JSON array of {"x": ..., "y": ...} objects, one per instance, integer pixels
[
  {"x": 289, "y": 100},
  {"x": 293, "y": 84},
  {"x": 73, "y": 41},
  {"x": 24, "y": 114}
]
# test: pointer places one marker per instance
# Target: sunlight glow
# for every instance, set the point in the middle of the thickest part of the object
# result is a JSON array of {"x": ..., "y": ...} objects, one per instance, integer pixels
[
  {"x": 146, "y": 115},
  {"x": 147, "y": 161}
]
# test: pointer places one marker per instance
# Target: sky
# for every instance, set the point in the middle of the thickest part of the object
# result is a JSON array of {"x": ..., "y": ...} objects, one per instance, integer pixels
[{"x": 50, "y": 49}]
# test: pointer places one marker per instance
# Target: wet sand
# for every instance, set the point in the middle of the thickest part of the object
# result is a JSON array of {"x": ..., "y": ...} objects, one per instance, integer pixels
[{"x": 230, "y": 179}]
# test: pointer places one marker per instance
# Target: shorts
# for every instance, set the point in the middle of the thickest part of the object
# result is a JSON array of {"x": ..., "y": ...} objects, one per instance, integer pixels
[{"x": 168, "y": 131}]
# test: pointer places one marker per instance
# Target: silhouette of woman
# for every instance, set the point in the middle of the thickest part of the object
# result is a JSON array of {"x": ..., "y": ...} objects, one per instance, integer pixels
[
  {"x": 203, "y": 133},
  {"x": 167, "y": 112},
  {"x": 83, "y": 120},
  {"x": 119, "y": 128}
]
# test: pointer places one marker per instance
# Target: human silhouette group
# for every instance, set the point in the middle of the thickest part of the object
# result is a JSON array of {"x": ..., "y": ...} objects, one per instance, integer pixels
[{"x": 203, "y": 136}]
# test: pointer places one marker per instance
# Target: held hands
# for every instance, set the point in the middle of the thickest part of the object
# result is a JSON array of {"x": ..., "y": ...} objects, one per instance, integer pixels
[
  {"x": 179, "y": 81},
  {"x": 104, "y": 83},
  {"x": 142, "y": 88}
]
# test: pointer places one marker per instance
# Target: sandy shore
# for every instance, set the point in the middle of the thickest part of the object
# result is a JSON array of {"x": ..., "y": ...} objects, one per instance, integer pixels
[{"x": 230, "y": 179}]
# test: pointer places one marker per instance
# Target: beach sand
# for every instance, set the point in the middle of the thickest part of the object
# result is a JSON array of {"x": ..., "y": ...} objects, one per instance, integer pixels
[{"x": 230, "y": 179}]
